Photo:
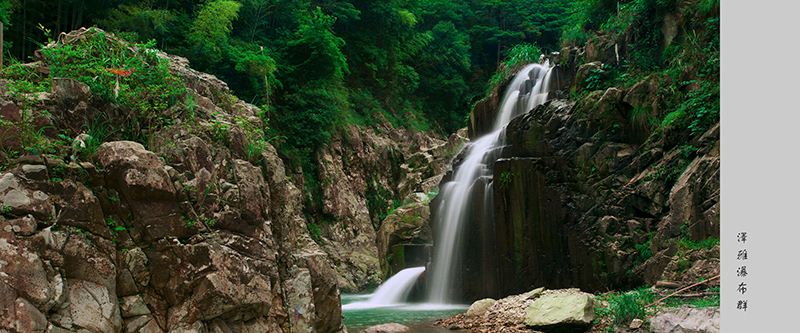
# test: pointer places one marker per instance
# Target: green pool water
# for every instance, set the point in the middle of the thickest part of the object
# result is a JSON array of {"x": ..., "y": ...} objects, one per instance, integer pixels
[{"x": 417, "y": 316}]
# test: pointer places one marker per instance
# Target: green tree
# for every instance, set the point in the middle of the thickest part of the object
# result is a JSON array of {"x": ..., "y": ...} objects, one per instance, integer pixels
[
  {"x": 443, "y": 66},
  {"x": 210, "y": 31}
]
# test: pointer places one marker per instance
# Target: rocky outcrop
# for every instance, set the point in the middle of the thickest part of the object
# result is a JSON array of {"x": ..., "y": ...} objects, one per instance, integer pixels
[
  {"x": 199, "y": 231},
  {"x": 363, "y": 175},
  {"x": 583, "y": 197}
]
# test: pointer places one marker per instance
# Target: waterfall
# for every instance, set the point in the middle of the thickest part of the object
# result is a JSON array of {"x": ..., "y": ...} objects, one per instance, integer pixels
[
  {"x": 392, "y": 292},
  {"x": 528, "y": 89}
]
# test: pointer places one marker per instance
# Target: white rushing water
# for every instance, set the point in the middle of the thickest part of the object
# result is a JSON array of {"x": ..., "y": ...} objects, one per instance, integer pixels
[
  {"x": 393, "y": 292},
  {"x": 527, "y": 90}
]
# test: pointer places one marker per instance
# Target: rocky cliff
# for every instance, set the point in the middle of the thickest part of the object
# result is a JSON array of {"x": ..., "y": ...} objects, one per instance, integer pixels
[
  {"x": 583, "y": 198},
  {"x": 375, "y": 189},
  {"x": 197, "y": 230}
]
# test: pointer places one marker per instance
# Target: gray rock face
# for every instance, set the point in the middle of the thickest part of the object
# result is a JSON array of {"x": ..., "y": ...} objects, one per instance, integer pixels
[
  {"x": 686, "y": 319},
  {"x": 363, "y": 175}
]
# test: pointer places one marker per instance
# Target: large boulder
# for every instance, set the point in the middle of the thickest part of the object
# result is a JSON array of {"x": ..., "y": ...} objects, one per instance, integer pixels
[
  {"x": 561, "y": 311},
  {"x": 70, "y": 90}
]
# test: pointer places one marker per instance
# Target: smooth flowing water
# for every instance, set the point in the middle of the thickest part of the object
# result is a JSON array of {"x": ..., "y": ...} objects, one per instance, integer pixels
[
  {"x": 388, "y": 304},
  {"x": 392, "y": 292},
  {"x": 417, "y": 316},
  {"x": 527, "y": 90}
]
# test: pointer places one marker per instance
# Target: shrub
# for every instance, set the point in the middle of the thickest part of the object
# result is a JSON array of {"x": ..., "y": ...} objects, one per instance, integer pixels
[
  {"x": 625, "y": 307},
  {"x": 132, "y": 76}
]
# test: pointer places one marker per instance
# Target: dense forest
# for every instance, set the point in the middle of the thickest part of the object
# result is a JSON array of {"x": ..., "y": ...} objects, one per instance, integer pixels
[{"x": 315, "y": 64}]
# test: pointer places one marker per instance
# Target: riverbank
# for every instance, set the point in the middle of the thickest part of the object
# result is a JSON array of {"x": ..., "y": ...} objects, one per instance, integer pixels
[{"x": 695, "y": 309}]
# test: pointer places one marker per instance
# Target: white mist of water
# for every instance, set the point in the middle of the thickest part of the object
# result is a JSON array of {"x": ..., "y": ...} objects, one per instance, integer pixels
[
  {"x": 527, "y": 90},
  {"x": 393, "y": 292}
]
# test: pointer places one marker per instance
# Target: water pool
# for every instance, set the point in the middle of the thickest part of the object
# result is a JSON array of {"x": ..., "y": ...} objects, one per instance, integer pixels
[{"x": 418, "y": 316}]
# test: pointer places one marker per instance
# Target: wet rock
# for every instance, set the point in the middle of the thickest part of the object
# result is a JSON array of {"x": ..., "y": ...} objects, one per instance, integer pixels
[
  {"x": 408, "y": 225},
  {"x": 366, "y": 174}
]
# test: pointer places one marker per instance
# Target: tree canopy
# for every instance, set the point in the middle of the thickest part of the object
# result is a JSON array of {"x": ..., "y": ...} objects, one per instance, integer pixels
[{"x": 314, "y": 65}]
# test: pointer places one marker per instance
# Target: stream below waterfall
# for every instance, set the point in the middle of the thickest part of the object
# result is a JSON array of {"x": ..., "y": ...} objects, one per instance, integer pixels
[{"x": 418, "y": 316}]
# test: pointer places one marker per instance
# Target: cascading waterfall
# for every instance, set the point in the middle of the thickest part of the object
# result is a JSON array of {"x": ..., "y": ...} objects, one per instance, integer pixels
[
  {"x": 528, "y": 89},
  {"x": 392, "y": 292}
]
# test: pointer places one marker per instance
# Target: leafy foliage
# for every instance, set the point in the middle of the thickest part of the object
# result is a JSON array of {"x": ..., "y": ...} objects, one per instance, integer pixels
[
  {"x": 210, "y": 30},
  {"x": 134, "y": 77},
  {"x": 624, "y": 307}
]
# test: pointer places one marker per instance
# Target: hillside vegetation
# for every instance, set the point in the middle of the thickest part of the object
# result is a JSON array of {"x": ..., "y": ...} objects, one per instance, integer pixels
[{"x": 316, "y": 66}]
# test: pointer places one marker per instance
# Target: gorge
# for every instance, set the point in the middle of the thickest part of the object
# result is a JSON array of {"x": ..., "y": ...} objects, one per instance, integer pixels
[{"x": 308, "y": 162}]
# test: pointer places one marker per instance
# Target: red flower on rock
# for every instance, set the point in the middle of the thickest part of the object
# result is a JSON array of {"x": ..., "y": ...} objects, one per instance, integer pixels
[{"x": 120, "y": 71}]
